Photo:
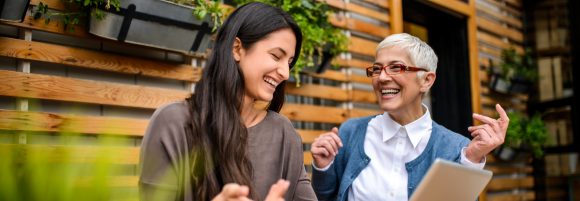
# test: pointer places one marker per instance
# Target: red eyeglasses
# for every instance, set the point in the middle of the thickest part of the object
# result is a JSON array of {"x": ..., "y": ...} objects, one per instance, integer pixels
[{"x": 392, "y": 69}]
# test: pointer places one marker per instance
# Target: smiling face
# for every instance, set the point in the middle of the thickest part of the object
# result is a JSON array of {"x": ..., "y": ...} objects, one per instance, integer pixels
[
  {"x": 400, "y": 94},
  {"x": 266, "y": 63}
]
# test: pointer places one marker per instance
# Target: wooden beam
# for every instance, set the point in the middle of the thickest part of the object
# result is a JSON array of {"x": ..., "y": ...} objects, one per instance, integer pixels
[
  {"x": 357, "y": 63},
  {"x": 311, "y": 113},
  {"x": 499, "y": 30},
  {"x": 454, "y": 6},
  {"x": 512, "y": 21},
  {"x": 380, "y": 3},
  {"x": 362, "y": 46},
  {"x": 308, "y": 136},
  {"x": 361, "y": 79},
  {"x": 396, "y": 11},
  {"x": 23, "y": 85},
  {"x": 330, "y": 75},
  {"x": 78, "y": 57},
  {"x": 498, "y": 184},
  {"x": 317, "y": 91},
  {"x": 497, "y": 42},
  {"x": 364, "y": 96},
  {"x": 529, "y": 195},
  {"x": 54, "y": 26},
  {"x": 358, "y": 25},
  {"x": 473, "y": 53},
  {"x": 357, "y": 9},
  {"x": 363, "y": 112},
  {"x": 63, "y": 123}
]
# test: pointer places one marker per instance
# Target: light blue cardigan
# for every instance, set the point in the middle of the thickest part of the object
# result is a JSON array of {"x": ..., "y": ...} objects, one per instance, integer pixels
[{"x": 333, "y": 184}]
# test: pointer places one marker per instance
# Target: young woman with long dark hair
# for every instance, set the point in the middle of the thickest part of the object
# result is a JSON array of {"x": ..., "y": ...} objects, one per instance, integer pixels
[{"x": 216, "y": 145}]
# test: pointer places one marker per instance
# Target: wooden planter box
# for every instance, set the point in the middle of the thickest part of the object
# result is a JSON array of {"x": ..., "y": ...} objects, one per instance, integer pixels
[
  {"x": 13, "y": 10},
  {"x": 154, "y": 23}
]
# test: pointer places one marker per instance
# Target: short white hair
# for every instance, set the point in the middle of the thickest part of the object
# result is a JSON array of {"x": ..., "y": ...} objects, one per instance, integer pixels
[{"x": 421, "y": 54}]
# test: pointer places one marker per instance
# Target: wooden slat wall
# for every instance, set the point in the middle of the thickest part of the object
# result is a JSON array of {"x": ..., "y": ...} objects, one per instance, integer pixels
[
  {"x": 75, "y": 83},
  {"x": 500, "y": 27},
  {"x": 323, "y": 101}
]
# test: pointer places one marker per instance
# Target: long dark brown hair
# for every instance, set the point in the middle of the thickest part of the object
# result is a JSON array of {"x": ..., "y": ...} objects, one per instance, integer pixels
[{"x": 217, "y": 135}]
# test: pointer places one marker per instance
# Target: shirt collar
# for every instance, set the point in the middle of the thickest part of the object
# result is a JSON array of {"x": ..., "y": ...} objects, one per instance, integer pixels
[{"x": 416, "y": 129}]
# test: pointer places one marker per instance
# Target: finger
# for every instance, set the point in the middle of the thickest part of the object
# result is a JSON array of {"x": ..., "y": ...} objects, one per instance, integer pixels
[
  {"x": 484, "y": 119},
  {"x": 502, "y": 114},
  {"x": 233, "y": 190},
  {"x": 319, "y": 151},
  {"x": 330, "y": 146},
  {"x": 278, "y": 190},
  {"x": 335, "y": 130},
  {"x": 336, "y": 139}
]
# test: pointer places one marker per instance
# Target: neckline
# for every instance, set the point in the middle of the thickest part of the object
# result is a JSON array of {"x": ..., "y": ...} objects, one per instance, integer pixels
[{"x": 261, "y": 121}]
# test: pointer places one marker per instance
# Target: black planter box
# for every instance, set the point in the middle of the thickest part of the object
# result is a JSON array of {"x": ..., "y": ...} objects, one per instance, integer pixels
[
  {"x": 13, "y": 10},
  {"x": 154, "y": 23}
]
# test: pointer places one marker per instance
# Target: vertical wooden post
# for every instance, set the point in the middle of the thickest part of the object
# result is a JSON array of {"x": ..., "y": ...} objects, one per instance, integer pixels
[
  {"x": 473, "y": 60},
  {"x": 23, "y": 66},
  {"x": 396, "y": 15}
]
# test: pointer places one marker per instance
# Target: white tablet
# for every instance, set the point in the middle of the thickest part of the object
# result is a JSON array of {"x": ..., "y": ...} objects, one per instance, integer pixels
[{"x": 449, "y": 181}]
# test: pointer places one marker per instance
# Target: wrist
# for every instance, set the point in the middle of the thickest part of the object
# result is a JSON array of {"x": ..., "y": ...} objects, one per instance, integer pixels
[{"x": 473, "y": 157}]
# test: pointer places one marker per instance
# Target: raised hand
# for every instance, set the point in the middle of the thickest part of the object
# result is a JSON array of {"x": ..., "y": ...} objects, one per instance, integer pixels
[
  {"x": 277, "y": 191},
  {"x": 487, "y": 136},
  {"x": 233, "y": 192},
  {"x": 325, "y": 147}
]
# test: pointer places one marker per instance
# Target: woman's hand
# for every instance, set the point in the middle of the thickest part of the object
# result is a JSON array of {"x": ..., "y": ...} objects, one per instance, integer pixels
[
  {"x": 278, "y": 190},
  {"x": 487, "y": 136},
  {"x": 233, "y": 192},
  {"x": 325, "y": 148}
]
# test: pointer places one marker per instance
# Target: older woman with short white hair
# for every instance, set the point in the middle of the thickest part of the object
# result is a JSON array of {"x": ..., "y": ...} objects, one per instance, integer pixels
[{"x": 384, "y": 157}]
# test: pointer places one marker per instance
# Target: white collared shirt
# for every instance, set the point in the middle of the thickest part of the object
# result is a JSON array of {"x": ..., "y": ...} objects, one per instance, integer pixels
[{"x": 390, "y": 145}]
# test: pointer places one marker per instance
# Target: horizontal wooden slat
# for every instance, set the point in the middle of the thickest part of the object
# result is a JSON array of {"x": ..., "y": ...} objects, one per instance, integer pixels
[
  {"x": 357, "y": 25},
  {"x": 51, "y": 122},
  {"x": 52, "y": 4},
  {"x": 492, "y": 27},
  {"x": 498, "y": 184},
  {"x": 455, "y": 6},
  {"x": 362, "y": 46},
  {"x": 357, "y": 63},
  {"x": 530, "y": 195},
  {"x": 358, "y": 9},
  {"x": 361, "y": 79},
  {"x": 54, "y": 26},
  {"x": 330, "y": 75},
  {"x": 308, "y": 136},
  {"x": 503, "y": 7},
  {"x": 317, "y": 91},
  {"x": 72, "y": 154},
  {"x": 353, "y": 113},
  {"x": 364, "y": 96},
  {"x": 508, "y": 19},
  {"x": 299, "y": 112},
  {"x": 497, "y": 170},
  {"x": 497, "y": 42},
  {"x": 25, "y": 85},
  {"x": 380, "y": 3},
  {"x": 44, "y": 52}
]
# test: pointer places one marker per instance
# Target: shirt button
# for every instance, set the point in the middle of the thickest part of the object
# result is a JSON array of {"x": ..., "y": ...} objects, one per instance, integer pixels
[{"x": 392, "y": 194}]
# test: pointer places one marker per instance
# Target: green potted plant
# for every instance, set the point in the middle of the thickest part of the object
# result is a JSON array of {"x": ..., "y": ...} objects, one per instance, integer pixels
[
  {"x": 515, "y": 74},
  {"x": 177, "y": 25},
  {"x": 525, "y": 136},
  {"x": 13, "y": 10},
  {"x": 321, "y": 40}
]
